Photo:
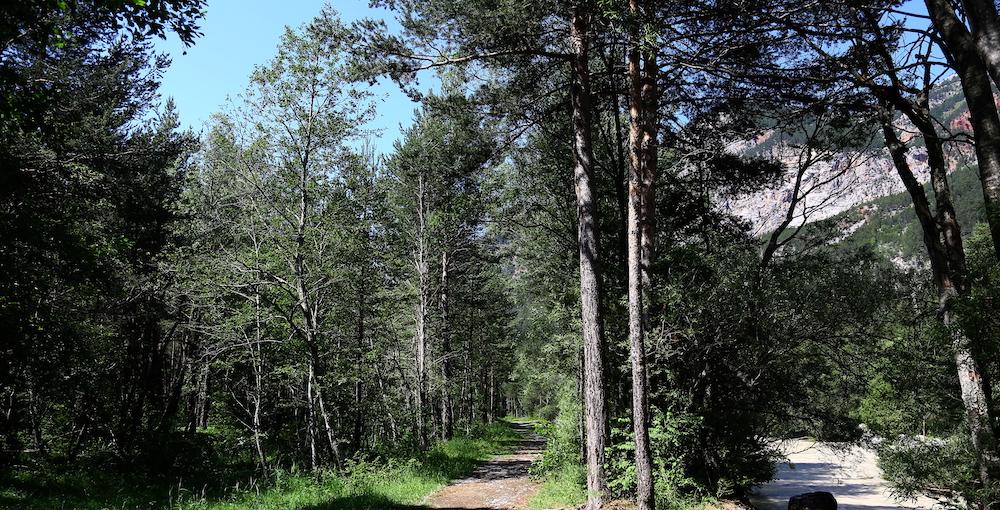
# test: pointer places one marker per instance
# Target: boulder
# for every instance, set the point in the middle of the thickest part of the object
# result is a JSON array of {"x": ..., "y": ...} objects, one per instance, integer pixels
[{"x": 813, "y": 501}]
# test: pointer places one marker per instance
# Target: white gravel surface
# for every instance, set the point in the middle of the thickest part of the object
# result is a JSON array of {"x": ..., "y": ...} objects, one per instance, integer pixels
[{"x": 850, "y": 473}]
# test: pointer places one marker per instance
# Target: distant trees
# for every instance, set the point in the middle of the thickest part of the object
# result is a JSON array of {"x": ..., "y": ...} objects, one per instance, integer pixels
[
  {"x": 325, "y": 248},
  {"x": 435, "y": 192},
  {"x": 281, "y": 160},
  {"x": 255, "y": 285}
]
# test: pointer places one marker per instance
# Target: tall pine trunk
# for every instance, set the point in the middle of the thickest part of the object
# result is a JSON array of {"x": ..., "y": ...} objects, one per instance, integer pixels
[
  {"x": 590, "y": 266},
  {"x": 420, "y": 263},
  {"x": 942, "y": 238},
  {"x": 961, "y": 51},
  {"x": 985, "y": 23},
  {"x": 637, "y": 132},
  {"x": 447, "y": 407}
]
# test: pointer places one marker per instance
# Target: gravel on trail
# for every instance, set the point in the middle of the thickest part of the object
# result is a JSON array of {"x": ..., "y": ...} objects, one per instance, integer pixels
[
  {"x": 500, "y": 483},
  {"x": 849, "y": 472}
]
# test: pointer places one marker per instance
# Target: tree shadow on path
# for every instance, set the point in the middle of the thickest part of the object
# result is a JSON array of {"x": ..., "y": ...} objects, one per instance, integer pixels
[{"x": 373, "y": 503}]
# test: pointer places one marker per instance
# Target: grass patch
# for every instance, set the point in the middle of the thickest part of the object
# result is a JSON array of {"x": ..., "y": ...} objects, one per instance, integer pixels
[
  {"x": 376, "y": 484},
  {"x": 561, "y": 488}
]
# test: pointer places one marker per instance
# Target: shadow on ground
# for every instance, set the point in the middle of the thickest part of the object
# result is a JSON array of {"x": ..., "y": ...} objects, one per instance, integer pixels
[
  {"x": 372, "y": 503},
  {"x": 850, "y": 473}
]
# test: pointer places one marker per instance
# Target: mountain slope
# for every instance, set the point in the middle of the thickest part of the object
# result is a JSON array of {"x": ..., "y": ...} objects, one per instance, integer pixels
[
  {"x": 851, "y": 178},
  {"x": 889, "y": 225}
]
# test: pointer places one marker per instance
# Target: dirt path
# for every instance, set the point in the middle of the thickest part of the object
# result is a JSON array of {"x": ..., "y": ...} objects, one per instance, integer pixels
[
  {"x": 499, "y": 483},
  {"x": 850, "y": 473}
]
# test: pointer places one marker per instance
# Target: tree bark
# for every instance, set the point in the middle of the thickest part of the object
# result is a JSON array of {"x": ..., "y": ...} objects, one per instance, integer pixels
[
  {"x": 921, "y": 205},
  {"x": 493, "y": 405},
  {"x": 331, "y": 438},
  {"x": 650, "y": 147},
  {"x": 447, "y": 411},
  {"x": 985, "y": 23},
  {"x": 257, "y": 357},
  {"x": 974, "y": 397},
  {"x": 359, "y": 388},
  {"x": 311, "y": 418},
  {"x": 961, "y": 51},
  {"x": 420, "y": 261},
  {"x": 942, "y": 238},
  {"x": 308, "y": 331},
  {"x": 637, "y": 134},
  {"x": 590, "y": 267}
]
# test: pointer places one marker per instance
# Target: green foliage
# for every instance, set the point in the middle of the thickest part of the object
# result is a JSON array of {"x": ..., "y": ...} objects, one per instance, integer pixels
[
  {"x": 92, "y": 170},
  {"x": 39, "y": 21},
  {"x": 882, "y": 409},
  {"x": 560, "y": 471},
  {"x": 917, "y": 465},
  {"x": 672, "y": 443},
  {"x": 248, "y": 317},
  {"x": 362, "y": 484},
  {"x": 562, "y": 436},
  {"x": 671, "y": 439},
  {"x": 563, "y": 487},
  {"x": 978, "y": 309}
]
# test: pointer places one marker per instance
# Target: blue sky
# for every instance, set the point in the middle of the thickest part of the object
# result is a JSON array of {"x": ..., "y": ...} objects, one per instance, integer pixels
[{"x": 239, "y": 34}]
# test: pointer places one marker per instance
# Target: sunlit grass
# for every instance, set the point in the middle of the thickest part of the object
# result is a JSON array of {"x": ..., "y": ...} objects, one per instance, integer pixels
[
  {"x": 563, "y": 488},
  {"x": 361, "y": 485}
]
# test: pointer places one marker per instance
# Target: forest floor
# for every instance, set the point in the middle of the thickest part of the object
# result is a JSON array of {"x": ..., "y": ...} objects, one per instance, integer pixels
[
  {"x": 499, "y": 483},
  {"x": 398, "y": 483},
  {"x": 850, "y": 473}
]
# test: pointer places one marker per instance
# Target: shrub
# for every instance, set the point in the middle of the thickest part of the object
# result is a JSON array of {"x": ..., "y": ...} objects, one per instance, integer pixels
[
  {"x": 916, "y": 465},
  {"x": 562, "y": 435}
]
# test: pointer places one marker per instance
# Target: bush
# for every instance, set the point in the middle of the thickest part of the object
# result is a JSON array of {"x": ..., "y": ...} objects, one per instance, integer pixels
[
  {"x": 562, "y": 435},
  {"x": 671, "y": 443},
  {"x": 882, "y": 409},
  {"x": 678, "y": 443},
  {"x": 916, "y": 465}
]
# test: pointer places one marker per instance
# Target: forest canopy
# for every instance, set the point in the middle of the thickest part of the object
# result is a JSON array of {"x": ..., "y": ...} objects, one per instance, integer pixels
[{"x": 643, "y": 243}]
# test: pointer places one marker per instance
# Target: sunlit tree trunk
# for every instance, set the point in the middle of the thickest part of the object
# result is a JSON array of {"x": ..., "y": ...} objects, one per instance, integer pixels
[
  {"x": 257, "y": 359},
  {"x": 447, "y": 410},
  {"x": 590, "y": 267},
  {"x": 637, "y": 133},
  {"x": 420, "y": 263}
]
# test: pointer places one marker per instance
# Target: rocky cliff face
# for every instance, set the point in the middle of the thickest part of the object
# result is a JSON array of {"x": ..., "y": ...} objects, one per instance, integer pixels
[{"x": 850, "y": 178}]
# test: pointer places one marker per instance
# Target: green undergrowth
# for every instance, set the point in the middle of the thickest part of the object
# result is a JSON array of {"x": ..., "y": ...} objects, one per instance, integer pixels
[
  {"x": 561, "y": 488},
  {"x": 561, "y": 476},
  {"x": 562, "y": 483},
  {"x": 362, "y": 484}
]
